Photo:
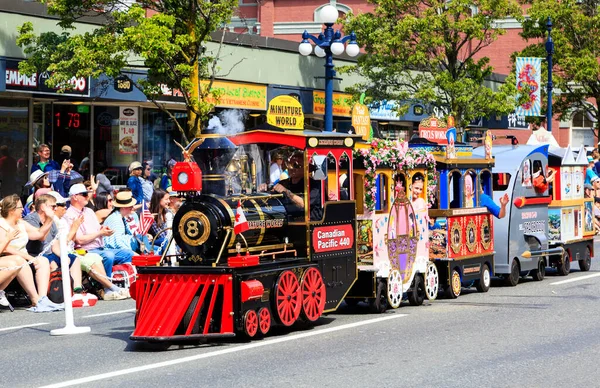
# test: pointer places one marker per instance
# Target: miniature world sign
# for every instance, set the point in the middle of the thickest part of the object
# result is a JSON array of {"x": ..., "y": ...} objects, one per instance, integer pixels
[{"x": 285, "y": 112}]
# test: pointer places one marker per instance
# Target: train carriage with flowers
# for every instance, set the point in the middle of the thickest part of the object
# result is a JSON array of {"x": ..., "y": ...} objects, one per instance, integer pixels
[{"x": 394, "y": 185}]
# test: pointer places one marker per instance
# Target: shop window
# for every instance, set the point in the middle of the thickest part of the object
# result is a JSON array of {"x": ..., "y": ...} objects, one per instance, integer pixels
[
  {"x": 581, "y": 120},
  {"x": 159, "y": 134},
  {"x": 14, "y": 154}
]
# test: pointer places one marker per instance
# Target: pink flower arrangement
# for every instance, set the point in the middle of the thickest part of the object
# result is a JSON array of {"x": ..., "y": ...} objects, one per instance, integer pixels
[{"x": 398, "y": 156}]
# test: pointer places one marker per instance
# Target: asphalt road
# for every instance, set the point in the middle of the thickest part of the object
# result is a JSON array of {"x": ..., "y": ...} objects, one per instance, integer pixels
[{"x": 538, "y": 334}]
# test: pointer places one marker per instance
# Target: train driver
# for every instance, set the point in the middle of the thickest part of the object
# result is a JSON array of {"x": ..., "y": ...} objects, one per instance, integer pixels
[{"x": 293, "y": 188}]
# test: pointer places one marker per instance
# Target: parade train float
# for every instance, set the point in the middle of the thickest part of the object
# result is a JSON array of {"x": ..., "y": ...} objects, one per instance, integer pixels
[
  {"x": 402, "y": 221},
  {"x": 549, "y": 223}
]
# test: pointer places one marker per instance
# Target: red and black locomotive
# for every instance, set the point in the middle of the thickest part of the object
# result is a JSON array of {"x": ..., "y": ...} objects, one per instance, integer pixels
[{"x": 296, "y": 258}]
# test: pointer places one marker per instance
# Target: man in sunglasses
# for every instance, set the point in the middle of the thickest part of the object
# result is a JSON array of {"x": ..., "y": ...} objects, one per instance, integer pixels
[
  {"x": 89, "y": 236},
  {"x": 293, "y": 189},
  {"x": 45, "y": 207}
]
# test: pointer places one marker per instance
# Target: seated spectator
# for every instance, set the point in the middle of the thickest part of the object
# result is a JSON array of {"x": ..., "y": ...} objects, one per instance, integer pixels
[
  {"x": 159, "y": 207},
  {"x": 38, "y": 180},
  {"x": 102, "y": 184},
  {"x": 11, "y": 213},
  {"x": 61, "y": 180},
  {"x": 7, "y": 275},
  {"x": 104, "y": 206},
  {"x": 44, "y": 206},
  {"x": 124, "y": 222},
  {"x": 91, "y": 263},
  {"x": 90, "y": 233}
]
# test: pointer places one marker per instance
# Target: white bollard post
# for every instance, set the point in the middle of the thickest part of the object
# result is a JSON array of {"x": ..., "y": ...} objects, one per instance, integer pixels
[{"x": 70, "y": 327}]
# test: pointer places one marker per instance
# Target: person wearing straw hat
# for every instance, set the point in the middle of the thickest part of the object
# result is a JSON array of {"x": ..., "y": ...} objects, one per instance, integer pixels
[
  {"x": 124, "y": 222},
  {"x": 90, "y": 234},
  {"x": 38, "y": 180}
]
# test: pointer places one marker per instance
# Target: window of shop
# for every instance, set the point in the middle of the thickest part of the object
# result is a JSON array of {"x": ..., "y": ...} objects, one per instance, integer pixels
[
  {"x": 14, "y": 125},
  {"x": 582, "y": 130},
  {"x": 159, "y": 134},
  {"x": 110, "y": 157}
]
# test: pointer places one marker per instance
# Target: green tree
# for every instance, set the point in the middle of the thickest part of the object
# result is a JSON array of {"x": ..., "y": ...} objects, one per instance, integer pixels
[
  {"x": 428, "y": 50},
  {"x": 167, "y": 37},
  {"x": 576, "y": 66}
]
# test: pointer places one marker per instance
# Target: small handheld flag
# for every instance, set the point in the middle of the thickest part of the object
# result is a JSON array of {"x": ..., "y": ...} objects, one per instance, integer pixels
[
  {"x": 146, "y": 219},
  {"x": 241, "y": 224}
]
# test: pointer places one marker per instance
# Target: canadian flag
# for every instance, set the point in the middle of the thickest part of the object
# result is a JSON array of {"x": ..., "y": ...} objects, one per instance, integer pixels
[{"x": 241, "y": 224}]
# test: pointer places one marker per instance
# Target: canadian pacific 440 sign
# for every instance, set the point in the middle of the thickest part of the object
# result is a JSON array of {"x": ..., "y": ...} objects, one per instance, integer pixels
[
  {"x": 333, "y": 238},
  {"x": 128, "y": 130},
  {"x": 285, "y": 112}
]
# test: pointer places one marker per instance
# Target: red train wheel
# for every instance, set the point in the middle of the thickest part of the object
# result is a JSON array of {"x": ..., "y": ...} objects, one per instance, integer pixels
[
  {"x": 313, "y": 294},
  {"x": 250, "y": 323},
  {"x": 288, "y": 298},
  {"x": 264, "y": 320}
]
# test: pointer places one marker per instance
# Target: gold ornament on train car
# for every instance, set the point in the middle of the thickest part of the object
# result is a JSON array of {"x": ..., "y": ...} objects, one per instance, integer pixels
[
  {"x": 486, "y": 232},
  {"x": 455, "y": 237},
  {"x": 186, "y": 152},
  {"x": 471, "y": 237}
]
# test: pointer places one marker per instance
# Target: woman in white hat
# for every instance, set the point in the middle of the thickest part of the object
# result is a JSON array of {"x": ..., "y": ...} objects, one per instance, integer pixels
[
  {"x": 124, "y": 222},
  {"x": 38, "y": 180}
]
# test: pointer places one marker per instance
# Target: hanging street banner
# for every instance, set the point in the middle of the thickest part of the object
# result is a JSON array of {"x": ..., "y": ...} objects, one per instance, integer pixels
[
  {"x": 285, "y": 112},
  {"x": 342, "y": 104},
  {"x": 361, "y": 121},
  {"x": 128, "y": 130},
  {"x": 528, "y": 82}
]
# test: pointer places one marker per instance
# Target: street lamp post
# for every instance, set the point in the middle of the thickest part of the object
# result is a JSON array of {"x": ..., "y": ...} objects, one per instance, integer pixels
[
  {"x": 550, "y": 51},
  {"x": 327, "y": 44}
]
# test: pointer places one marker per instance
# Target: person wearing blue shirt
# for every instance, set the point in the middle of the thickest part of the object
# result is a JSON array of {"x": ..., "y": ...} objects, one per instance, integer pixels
[
  {"x": 45, "y": 164},
  {"x": 134, "y": 182},
  {"x": 589, "y": 172},
  {"x": 497, "y": 211}
]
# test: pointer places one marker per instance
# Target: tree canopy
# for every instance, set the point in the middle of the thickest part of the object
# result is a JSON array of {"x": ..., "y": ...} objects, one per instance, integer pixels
[
  {"x": 428, "y": 50},
  {"x": 166, "y": 37},
  {"x": 576, "y": 66}
]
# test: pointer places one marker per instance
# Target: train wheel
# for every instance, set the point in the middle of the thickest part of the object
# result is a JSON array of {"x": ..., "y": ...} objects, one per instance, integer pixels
[
  {"x": 250, "y": 323},
  {"x": 313, "y": 294},
  {"x": 540, "y": 272},
  {"x": 586, "y": 263},
  {"x": 416, "y": 295},
  {"x": 288, "y": 298},
  {"x": 432, "y": 281},
  {"x": 513, "y": 278},
  {"x": 264, "y": 320},
  {"x": 379, "y": 304},
  {"x": 565, "y": 265},
  {"x": 453, "y": 290},
  {"x": 483, "y": 284},
  {"x": 394, "y": 289}
]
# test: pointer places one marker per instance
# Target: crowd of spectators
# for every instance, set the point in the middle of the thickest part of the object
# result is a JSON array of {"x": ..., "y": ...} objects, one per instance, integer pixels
[{"x": 101, "y": 224}]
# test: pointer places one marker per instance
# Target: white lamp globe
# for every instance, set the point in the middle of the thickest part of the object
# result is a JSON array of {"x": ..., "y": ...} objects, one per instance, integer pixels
[
  {"x": 305, "y": 48},
  {"x": 319, "y": 51},
  {"x": 328, "y": 14},
  {"x": 352, "y": 49},
  {"x": 337, "y": 48}
]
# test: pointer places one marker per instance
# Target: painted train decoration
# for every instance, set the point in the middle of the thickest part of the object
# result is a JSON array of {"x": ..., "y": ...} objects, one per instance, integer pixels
[{"x": 279, "y": 226}]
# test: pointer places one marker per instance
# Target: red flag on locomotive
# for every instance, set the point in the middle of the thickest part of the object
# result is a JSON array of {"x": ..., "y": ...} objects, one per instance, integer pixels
[{"x": 241, "y": 224}]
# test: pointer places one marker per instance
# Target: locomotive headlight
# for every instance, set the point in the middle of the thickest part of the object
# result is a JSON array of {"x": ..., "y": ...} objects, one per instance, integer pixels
[{"x": 183, "y": 178}]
